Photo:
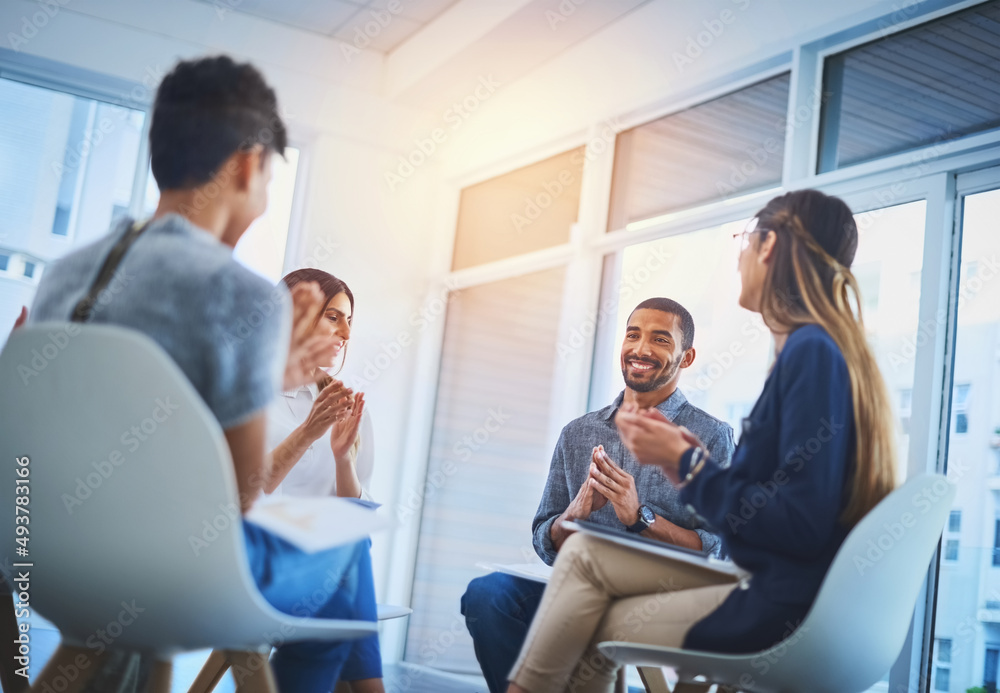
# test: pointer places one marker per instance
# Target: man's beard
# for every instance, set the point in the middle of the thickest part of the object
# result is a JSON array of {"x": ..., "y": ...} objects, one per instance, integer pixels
[{"x": 654, "y": 384}]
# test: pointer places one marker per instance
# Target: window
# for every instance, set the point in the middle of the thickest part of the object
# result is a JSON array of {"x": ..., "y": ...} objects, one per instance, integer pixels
[
  {"x": 942, "y": 668},
  {"x": 955, "y": 521},
  {"x": 969, "y": 270},
  {"x": 735, "y": 414},
  {"x": 731, "y": 146},
  {"x": 990, "y": 668},
  {"x": 942, "y": 679},
  {"x": 263, "y": 247},
  {"x": 996, "y": 543},
  {"x": 905, "y": 408},
  {"x": 944, "y": 650},
  {"x": 951, "y": 550},
  {"x": 952, "y": 538},
  {"x": 67, "y": 167},
  {"x": 926, "y": 85},
  {"x": 733, "y": 345},
  {"x": 525, "y": 210},
  {"x": 869, "y": 278},
  {"x": 960, "y": 408}
]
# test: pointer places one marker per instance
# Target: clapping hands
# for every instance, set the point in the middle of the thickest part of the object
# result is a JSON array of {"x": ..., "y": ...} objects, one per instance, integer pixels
[{"x": 654, "y": 439}]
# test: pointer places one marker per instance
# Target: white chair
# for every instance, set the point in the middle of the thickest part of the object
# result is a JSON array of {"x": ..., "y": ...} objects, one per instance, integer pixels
[
  {"x": 135, "y": 534},
  {"x": 218, "y": 662},
  {"x": 858, "y": 623}
]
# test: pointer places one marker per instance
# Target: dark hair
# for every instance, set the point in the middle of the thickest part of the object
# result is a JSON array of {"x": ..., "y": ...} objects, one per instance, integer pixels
[
  {"x": 328, "y": 284},
  {"x": 205, "y": 110},
  {"x": 674, "y": 308}
]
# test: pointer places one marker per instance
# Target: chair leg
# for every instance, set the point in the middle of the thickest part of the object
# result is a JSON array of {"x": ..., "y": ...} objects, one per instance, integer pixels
[
  {"x": 683, "y": 687},
  {"x": 211, "y": 673},
  {"x": 66, "y": 672},
  {"x": 159, "y": 677},
  {"x": 621, "y": 682},
  {"x": 252, "y": 672},
  {"x": 10, "y": 681},
  {"x": 654, "y": 680}
]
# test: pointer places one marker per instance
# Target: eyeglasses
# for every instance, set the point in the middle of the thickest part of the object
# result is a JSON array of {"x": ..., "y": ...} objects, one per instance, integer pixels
[{"x": 744, "y": 235}]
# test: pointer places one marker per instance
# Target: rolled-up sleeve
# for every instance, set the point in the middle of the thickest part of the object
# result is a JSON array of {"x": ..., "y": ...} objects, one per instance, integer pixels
[
  {"x": 720, "y": 447},
  {"x": 555, "y": 499}
]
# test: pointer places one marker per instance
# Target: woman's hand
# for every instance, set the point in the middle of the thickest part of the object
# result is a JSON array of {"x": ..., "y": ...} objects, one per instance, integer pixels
[
  {"x": 307, "y": 350},
  {"x": 653, "y": 439},
  {"x": 345, "y": 430},
  {"x": 333, "y": 404}
]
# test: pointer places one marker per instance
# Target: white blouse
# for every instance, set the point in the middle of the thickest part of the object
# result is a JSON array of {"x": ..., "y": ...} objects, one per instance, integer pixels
[{"x": 315, "y": 474}]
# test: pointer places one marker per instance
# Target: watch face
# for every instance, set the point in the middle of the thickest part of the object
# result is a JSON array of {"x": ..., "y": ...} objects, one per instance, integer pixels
[{"x": 646, "y": 515}]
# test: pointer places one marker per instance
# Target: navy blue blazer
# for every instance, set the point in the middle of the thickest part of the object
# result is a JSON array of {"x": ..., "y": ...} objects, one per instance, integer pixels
[{"x": 778, "y": 506}]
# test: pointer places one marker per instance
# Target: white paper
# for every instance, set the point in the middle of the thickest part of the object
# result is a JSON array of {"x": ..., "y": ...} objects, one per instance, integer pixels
[
  {"x": 315, "y": 524},
  {"x": 537, "y": 572}
]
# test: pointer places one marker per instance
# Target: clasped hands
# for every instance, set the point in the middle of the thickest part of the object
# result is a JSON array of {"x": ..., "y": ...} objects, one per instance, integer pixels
[
  {"x": 605, "y": 482},
  {"x": 654, "y": 439}
]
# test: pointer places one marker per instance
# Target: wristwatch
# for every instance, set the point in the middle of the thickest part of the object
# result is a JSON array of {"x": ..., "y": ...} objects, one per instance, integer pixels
[{"x": 645, "y": 521}]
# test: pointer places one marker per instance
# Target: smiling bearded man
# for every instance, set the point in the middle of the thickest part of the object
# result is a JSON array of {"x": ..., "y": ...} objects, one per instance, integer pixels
[{"x": 594, "y": 477}]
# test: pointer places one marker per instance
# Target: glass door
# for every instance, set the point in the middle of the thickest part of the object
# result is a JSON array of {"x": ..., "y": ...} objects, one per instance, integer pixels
[{"x": 967, "y": 623}]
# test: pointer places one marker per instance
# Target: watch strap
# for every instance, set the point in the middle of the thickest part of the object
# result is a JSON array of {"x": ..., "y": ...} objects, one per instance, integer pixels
[{"x": 640, "y": 525}]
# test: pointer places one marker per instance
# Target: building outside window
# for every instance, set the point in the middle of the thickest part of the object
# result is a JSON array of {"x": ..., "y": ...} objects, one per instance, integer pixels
[
  {"x": 960, "y": 408},
  {"x": 942, "y": 664},
  {"x": 990, "y": 669}
]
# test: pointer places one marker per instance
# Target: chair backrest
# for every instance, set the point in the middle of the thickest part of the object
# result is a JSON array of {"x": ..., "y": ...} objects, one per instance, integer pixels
[
  {"x": 858, "y": 623},
  {"x": 135, "y": 531}
]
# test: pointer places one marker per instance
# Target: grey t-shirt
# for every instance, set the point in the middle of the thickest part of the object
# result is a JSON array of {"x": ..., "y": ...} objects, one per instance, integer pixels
[
  {"x": 224, "y": 326},
  {"x": 571, "y": 465}
]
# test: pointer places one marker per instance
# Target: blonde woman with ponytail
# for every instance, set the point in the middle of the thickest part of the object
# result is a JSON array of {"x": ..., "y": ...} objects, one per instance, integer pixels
[{"x": 816, "y": 454}]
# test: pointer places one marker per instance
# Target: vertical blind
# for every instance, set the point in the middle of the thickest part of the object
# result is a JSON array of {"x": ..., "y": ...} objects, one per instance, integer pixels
[
  {"x": 923, "y": 86},
  {"x": 490, "y": 452},
  {"x": 524, "y": 210},
  {"x": 730, "y": 146}
]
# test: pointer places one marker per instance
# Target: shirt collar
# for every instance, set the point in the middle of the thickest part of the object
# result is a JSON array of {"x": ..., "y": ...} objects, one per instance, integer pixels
[
  {"x": 670, "y": 407},
  {"x": 178, "y": 223},
  {"x": 311, "y": 388}
]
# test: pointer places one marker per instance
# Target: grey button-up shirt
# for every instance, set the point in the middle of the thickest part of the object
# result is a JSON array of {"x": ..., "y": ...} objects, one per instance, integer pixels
[{"x": 571, "y": 464}]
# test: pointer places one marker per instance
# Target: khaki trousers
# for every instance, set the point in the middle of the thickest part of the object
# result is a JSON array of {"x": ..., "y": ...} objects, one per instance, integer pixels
[{"x": 604, "y": 591}]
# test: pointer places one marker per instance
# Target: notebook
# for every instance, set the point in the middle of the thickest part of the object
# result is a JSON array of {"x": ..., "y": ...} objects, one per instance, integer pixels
[
  {"x": 678, "y": 553},
  {"x": 316, "y": 523},
  {"x": 536, "y": 572}
]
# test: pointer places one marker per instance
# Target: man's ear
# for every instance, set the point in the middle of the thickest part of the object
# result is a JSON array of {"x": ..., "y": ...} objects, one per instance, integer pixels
[
  {"x": 246, "y": 164},
  {"x": 688, "y": 358}
]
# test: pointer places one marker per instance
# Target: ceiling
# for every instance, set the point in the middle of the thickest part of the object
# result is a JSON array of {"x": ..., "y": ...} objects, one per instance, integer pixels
[{"x": 353, "y": 21}]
